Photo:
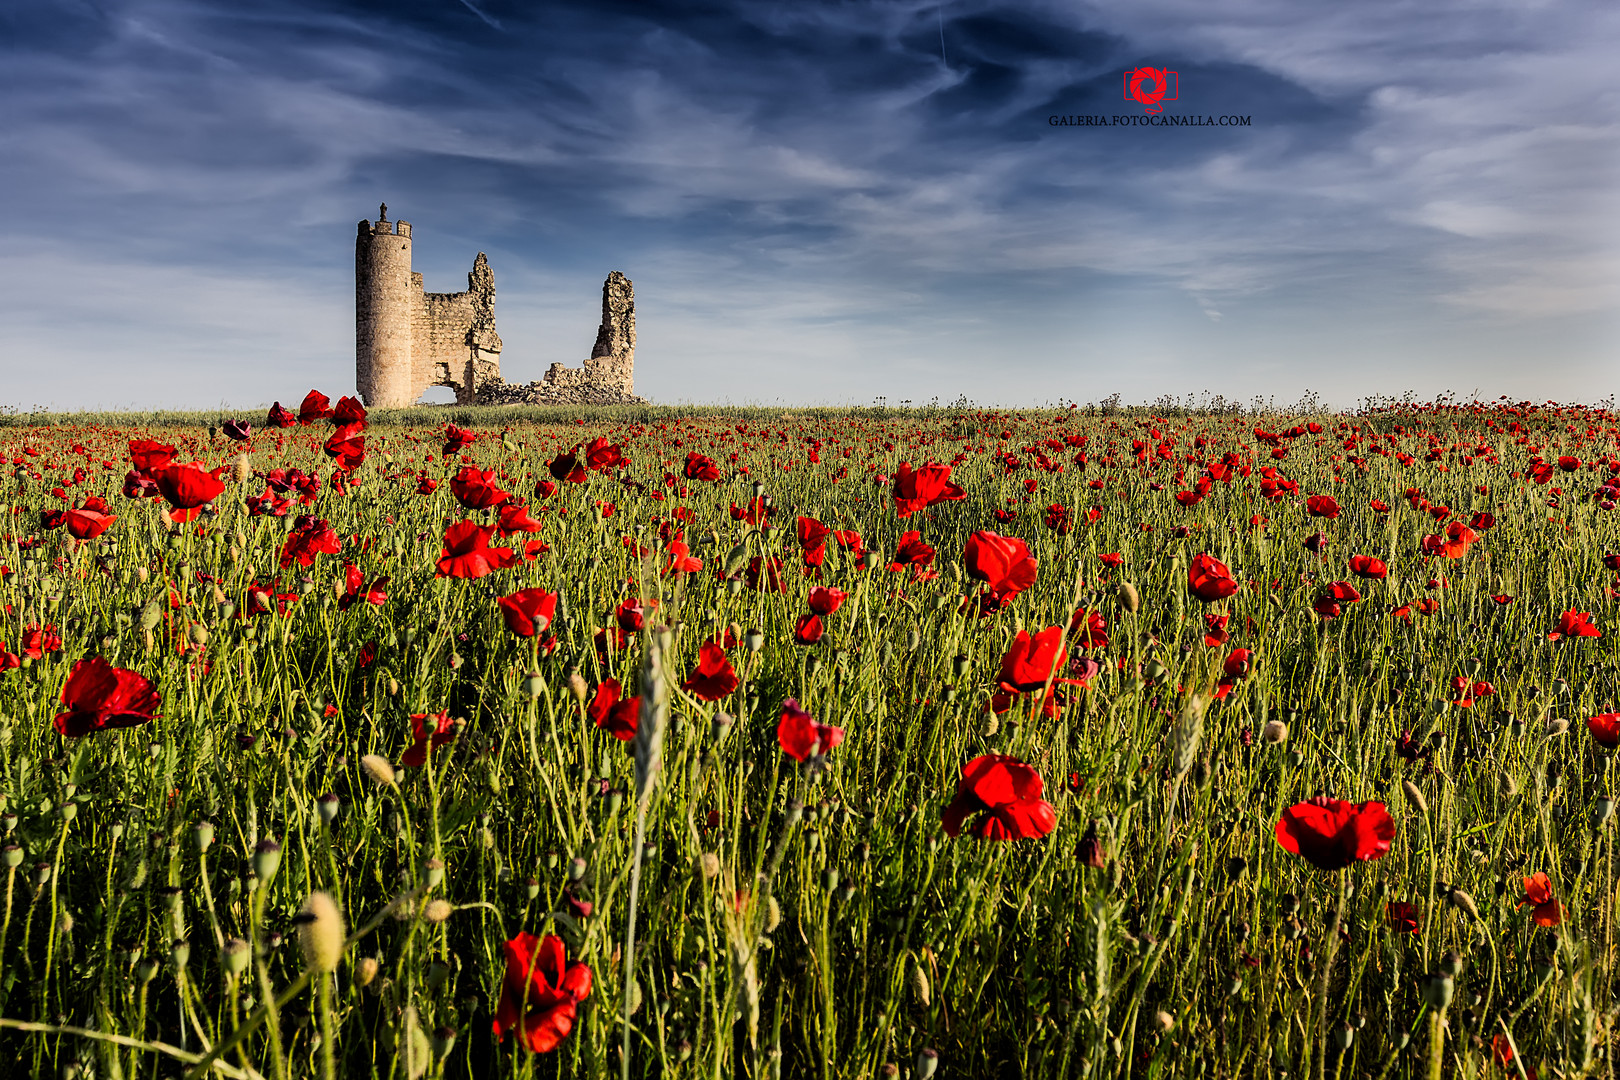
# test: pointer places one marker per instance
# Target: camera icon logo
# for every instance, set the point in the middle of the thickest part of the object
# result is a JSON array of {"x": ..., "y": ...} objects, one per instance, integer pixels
[{"x": 1152, "y": 87}]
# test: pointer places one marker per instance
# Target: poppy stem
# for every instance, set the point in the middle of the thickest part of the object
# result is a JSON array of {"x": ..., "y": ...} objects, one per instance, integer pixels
[
  {"x": 1437, "y": 1042},
  {"x": 1329, "y": 948}
]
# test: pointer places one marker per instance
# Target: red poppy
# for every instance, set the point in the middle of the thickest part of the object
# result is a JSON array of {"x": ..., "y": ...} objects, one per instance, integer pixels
[
  {"x": 681, "y": 559},
  {"x": 316, "y": 406},
  {"x": 1215, "y": 632},
  {"x": 566, "y": 467},
  {"x": 911, "y": 551},
  {"x": 618, "y": 718},
  {"x": 310, "y": 537},
  {"x": 86, "y": 524},
  {"x": 279, "y": 417},
  {"x": 1209, "y": 579},
  {"x": 540, "y": 992},
  {"x": 150, "y": 456},
  {"x": 348, "y": 411},
  {"x": 1029, "y": 663},
  {"x": 467, "y": 554},
  {"x": 1088, "y": 629},
  {"x": 545, "y": 489},
  {"x": 631, "y": 614},
  {"x": 1365, "y": 566},
  {"x": 1569, "y": 464},
  {"x": 188, "y": 487},
  {"x": 1574, "y": 624},
  {"x": 1605, "y": 729},
  {"x": 802, "y": 737},
  {"x": 99, "y": 696},
  {"x": 601, "y": 454},
  {"x": 915, "y": 490},
  {"x": 355, "y": 589},
  {"x": 430, "y": 731},
  {"x": 1234, "y": 669},
  {"x": 812, "y": 536},
  {"x": 1332, "y": 835},
  {"x": 1112, "y": 560},
  {"x": 528, "y": 612},
  {"x": 757, "y": 512},
  {"x": 1005, "y": 793},
  {"x": 699, "y": 467},
  {"x": 347, "y": 445},
  {"x": 714, "y": 677},
  {"x": 516, "y": 519},
  {"x": 476, "y": 489},
  {"x": 1538, "y": 892},
  {"x": 1002, "y": 562},
  {"x": 1403, "y": 918},
  {"x": 1322, "y": 506},
  {"x": 808, "y": 630},
  {"x": 456, "y": 440},
  {"x": 825, "y": 601}
]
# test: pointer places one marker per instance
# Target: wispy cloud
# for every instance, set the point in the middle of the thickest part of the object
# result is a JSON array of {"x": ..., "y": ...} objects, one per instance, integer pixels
[{"x": 825, "y": 187}]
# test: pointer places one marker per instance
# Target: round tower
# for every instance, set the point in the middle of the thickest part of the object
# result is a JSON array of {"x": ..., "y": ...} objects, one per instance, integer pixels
[{"x": 383, "y": 319}]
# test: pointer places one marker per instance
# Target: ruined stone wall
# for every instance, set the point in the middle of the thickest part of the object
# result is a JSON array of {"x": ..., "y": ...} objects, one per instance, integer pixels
[
  {"x": 407, "y": 340},
  {"x": 608, "y": 374}
]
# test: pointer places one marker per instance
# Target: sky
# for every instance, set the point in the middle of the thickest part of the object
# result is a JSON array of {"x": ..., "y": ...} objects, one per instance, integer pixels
[{"x": 821, "y": 203}]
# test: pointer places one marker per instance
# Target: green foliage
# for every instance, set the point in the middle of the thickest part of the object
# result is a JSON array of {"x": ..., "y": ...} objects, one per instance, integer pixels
[{"x": 815, "y": 921}]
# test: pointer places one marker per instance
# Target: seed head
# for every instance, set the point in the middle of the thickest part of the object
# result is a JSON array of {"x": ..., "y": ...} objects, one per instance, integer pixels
[
  {"x": 711, "y": 864},
  {"x": 365, "y": 970},
  {"x": 1275, "y": 731},
  {"x": 321, "y": 932},
  {"x": 1129, "y": 598},
  {"x": 437, "y": 910},
  {"x": 1414, "y": 797},
  {"x": 376, "y": 766}
]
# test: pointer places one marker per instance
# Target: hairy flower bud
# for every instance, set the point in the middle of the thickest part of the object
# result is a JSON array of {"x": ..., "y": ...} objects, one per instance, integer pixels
[
  {"x": 321, "y": 932},
  {"x": 378, "y": 769}
]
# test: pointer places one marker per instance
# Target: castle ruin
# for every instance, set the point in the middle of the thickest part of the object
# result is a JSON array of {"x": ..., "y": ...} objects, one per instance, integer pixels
[{"x": 407, "y": 340}]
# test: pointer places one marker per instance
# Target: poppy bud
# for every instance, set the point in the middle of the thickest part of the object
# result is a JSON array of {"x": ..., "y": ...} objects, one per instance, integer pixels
[
  {"x": 576, "y": 683},
  {"x": 721, "y": 726},
  {"x": 1557, "y": 727},
  {"x": 1509, "y": 784},
  {"x": 320, "y": 932},
  {"x": 1129, "y": 598},
  {"x": 737, "y": 557},
  {"x": 365, "y": 970},
  {"x": 266, "y": 861},
  {"x": 235, "y": 955},
  {"x": 1414, "y": 797},
  {"x": 919, "y": 985},
  {"x": 773, "y": 914},
  {"x": 1460, "y": 899},
  {"x": 1602, "y": 811},
  {"x": 378, "y": 769},
  {"x": 710, "y": 864},
  {"x": 927, "y": 1064},
  {"x": 1343, "y": 1036}
]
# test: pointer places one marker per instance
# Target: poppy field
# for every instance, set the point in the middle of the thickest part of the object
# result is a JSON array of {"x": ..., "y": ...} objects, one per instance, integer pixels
[{"x": 1068, "y": 742}]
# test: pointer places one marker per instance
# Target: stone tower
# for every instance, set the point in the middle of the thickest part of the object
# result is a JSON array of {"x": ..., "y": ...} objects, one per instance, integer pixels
[{"x": 407, "y": 340}]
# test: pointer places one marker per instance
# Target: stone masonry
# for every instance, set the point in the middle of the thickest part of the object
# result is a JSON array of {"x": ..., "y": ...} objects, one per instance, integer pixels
[
  {"x": 407, "y": 340},
  {"x": 607, "y": 377}
]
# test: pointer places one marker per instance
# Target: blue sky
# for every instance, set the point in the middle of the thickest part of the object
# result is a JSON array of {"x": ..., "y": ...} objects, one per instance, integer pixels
[{"x": 820, "y": 203}]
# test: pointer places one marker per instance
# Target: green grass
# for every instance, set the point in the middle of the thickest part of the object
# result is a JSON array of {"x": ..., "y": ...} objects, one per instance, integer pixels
[{"x": 849, "y": 936}]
